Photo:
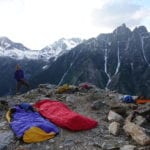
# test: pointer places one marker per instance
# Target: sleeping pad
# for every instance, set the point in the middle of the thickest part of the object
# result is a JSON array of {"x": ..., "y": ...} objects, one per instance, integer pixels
[
  {"x": 30, "y": 125},
  {"x": 62, "y": 116}
]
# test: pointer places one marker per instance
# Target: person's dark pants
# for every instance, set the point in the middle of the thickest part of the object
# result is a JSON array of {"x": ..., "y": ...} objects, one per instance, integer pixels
[{"x": 20, "y": 83}]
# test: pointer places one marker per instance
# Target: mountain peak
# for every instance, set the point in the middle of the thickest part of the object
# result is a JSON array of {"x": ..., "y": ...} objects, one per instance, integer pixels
[
  {"x": 59, "y": 47},
  {"x": 4, "y": 40},
  {"x": 7, "y": 44},
  {"x": 66, "y": 43},
  {"x": 121, "y": 30},
  {"x": 142, "y": 30}
]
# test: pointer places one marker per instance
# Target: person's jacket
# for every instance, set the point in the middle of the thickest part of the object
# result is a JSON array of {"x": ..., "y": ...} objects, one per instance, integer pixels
[{"x": 19, "y": 74}]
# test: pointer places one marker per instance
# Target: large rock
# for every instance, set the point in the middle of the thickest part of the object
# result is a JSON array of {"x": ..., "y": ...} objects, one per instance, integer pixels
[
  {"x": 113, "y": 116},
  {"x": 114, "y": 128},
  {"x": 137, "y": 133}
]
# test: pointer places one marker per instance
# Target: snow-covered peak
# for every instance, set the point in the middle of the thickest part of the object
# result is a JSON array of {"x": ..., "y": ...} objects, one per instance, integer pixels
[
  {"x": 66, "y": 44},
  {"x": 14, "y": 50},
  {"x": 7, "y": 44},
  {"x": 59, "y": 47}
]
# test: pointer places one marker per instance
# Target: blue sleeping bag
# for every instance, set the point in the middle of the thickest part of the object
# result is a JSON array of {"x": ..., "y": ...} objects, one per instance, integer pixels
[{"x": 24, "y": 118}]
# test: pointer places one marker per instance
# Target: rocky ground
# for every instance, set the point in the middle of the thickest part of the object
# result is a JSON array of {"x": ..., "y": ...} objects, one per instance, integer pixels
[{"x": 95, "y": 103}]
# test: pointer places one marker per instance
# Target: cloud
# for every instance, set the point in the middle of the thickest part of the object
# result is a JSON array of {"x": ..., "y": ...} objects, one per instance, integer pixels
[
  {"x": 36, "y": 23},
  {"x": 116, "y": 12}
]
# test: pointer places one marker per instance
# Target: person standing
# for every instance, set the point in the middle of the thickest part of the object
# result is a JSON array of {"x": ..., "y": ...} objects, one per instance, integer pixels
[{"x": 19, "y": 76}]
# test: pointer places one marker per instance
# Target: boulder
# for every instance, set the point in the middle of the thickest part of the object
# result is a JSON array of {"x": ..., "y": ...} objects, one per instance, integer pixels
[
  {"x": 113, "y": 116},
  {"x": 114, "y": 128},
  {"x": 137, "y": 133}
]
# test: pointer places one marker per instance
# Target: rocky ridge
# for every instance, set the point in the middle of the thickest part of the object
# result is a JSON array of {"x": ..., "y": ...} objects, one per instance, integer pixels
[{"x": 93, "y": 102}]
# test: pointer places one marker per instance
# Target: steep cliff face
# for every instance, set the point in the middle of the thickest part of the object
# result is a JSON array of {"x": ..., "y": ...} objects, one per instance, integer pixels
[
  {"x": 134, "y": 69},
  {"x": 118, "y": 61}
]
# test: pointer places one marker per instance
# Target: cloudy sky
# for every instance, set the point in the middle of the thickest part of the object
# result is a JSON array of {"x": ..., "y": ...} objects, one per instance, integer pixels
[{"x": 37, "y": 23}]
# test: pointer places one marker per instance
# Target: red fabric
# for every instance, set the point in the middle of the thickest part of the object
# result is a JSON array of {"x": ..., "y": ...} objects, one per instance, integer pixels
[
  {"x": 64, "y": 117},
  {"x": 85, "y": 86}
]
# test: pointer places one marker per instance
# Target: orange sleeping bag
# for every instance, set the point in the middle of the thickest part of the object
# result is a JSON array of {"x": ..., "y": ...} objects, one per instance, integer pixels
[{"x": 142, "y": 101}]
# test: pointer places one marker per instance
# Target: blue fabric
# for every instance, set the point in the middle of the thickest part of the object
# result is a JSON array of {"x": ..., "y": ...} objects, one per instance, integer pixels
[
  {"x": 25, "y": 106},
  {"x": 19, "y": 74},
  {"x": 24, "y": 120},
  {"x": 128, "y": 99}
]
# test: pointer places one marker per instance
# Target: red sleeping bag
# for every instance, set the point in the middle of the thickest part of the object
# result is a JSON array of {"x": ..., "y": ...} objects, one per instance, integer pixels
[{"x": 64, "y": 117}]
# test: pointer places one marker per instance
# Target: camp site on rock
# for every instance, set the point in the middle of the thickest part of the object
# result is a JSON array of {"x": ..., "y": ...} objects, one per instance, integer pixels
[{"x": 74, "y": 117}]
